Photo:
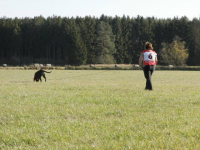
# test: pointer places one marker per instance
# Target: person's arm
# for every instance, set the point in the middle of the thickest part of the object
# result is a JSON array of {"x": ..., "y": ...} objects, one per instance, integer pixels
[
  {"x": 156, "y": 59},
  {"x": 141, "y": 60}
]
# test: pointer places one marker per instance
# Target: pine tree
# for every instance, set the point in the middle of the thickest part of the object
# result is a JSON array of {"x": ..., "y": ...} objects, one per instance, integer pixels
[
  {"x": 140, "y": 39},
  {"x": 119, "y": 40},
  {"x": 127, "y": 39},
  {"x": 194, "y": 46},
  {"x": 105, "y": 48},
  {"x": 27, "y": 36},
  {"x": 78, "y": 52},
  {"x": 90, "y": 37}
]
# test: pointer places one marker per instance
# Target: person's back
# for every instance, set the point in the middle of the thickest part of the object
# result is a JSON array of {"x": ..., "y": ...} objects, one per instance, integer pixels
[{"x": 149, "y": 57}]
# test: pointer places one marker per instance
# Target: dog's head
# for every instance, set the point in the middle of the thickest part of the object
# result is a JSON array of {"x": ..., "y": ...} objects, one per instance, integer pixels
[{"x": 35, "y": 79}]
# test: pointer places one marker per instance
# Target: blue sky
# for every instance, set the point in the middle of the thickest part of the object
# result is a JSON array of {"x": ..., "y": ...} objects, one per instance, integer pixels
[{"x": 69, "y": 8}]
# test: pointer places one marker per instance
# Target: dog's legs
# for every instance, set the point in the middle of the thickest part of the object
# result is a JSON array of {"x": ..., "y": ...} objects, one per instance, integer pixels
[
  {"x": 44, "y": 77},
  {"x": 40, "y": 80}
]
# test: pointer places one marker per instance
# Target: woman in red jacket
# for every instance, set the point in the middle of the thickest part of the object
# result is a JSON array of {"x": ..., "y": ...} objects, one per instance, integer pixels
[{"x": 148, "y": 60}]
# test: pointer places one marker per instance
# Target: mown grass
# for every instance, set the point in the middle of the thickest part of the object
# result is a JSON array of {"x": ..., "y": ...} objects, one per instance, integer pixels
[{"x": 99, "y": 109}]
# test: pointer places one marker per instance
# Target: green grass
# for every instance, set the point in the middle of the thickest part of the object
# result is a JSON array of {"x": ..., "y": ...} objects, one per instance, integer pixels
[{"x": 99, "y": 109}]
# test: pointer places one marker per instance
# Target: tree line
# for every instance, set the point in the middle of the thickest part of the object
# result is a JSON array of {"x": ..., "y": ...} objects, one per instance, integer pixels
[{"x": 90, "y": 40}]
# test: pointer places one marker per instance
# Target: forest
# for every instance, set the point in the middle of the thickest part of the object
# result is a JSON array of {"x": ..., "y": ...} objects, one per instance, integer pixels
[{"x": 90, "y": 40}]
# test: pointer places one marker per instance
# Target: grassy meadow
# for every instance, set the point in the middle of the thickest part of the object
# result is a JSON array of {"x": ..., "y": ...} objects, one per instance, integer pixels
[{"x": 99, "y": 109}]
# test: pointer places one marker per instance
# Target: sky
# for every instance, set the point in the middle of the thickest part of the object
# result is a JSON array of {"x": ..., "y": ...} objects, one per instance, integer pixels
[{"x": 160, "y": 9}]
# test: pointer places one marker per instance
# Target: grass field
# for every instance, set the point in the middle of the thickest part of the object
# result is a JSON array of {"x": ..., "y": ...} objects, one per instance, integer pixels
[{"x": 99, "y": 110}]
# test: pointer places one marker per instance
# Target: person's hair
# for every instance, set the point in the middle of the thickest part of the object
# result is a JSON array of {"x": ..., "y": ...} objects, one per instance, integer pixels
[{"x": 148, "y": 45}]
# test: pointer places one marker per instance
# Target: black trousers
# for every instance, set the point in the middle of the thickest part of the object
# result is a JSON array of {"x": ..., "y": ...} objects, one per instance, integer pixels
[{"x": 148, "y": 71}]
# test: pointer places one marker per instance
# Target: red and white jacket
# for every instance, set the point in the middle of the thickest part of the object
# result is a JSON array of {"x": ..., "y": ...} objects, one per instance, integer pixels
[{"x": 149, "y": 57}]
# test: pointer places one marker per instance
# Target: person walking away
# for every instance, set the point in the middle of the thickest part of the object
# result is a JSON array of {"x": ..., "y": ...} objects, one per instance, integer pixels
[{"x": 148, "y": 60}]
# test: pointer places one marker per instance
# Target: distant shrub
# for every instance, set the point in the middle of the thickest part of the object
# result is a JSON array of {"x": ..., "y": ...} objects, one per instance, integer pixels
[
  {"x": 32, "y": 67},
  {"x": 68, "y": 67},
  {"x": 104, "y": 67},
  {"x": 45, "y": 67},
  {"x": 174, "y": 53},
  {"x": 186, "y": 68},
  {"x": 57, "y": 68},
  {"x": 51, "y": 68},
  {"x": 25, "y": 67}
]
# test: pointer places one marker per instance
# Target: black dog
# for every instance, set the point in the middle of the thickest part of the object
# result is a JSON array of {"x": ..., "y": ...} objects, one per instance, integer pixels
[{"x": 39, "y": 74}]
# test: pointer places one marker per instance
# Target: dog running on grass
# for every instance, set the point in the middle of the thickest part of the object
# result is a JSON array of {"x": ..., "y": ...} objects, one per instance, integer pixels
[{"x": 39, "y": 74}]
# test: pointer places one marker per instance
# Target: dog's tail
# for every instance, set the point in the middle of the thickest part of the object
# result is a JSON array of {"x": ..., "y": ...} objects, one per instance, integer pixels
[{"x": 47, "y": 71}]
